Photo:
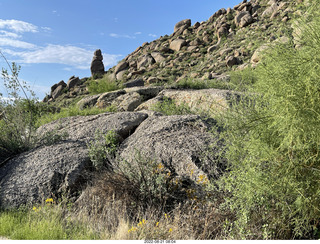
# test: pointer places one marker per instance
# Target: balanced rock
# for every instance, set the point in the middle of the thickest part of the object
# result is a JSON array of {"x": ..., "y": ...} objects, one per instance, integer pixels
[{"x": 97, "y": 67}]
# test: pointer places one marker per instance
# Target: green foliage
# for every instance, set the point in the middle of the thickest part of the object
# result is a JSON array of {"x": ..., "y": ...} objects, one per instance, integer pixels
[
  {"x": 18, "y": 115},
  {"x": 103, "y": 149},
  {"x": 273, "y": 145},
  {"x": 155, "y": 183},
  {"x": 71, "y": 111},
  {"x": 242, "y": 80},
  {"x": 169, "y": 107},
  {"x": 197, "y": 84},
  {"x": 42, "y": 223},
  {"x": 102, "y": 85}
]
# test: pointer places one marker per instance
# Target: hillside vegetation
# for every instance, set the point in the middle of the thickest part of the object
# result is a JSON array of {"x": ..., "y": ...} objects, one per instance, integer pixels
[{"x": 257, "y": 176}]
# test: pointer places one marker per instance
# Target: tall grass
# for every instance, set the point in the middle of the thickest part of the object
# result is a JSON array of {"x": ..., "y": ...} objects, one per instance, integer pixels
[{"x": 45, "y": 222}]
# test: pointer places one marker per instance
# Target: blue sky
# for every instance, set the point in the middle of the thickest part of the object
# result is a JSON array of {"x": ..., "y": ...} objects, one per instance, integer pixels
[{"x": 55, "y": 39}]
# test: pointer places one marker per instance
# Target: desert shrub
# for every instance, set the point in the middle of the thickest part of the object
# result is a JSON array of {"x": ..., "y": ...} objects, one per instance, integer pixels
[
  {"x": 273, "y": 145},
  {"x": 102, "y": 85},
  {"x": 103, "y": 148},
  {"x": 19, "y": 112},
  {"x": 169, "y": 107},
  {"x": 188, "y": 83}
]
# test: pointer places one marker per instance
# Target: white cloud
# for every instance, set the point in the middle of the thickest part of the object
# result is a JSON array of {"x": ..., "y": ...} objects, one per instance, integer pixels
[
  {"x": 67, "y": 55},
  {"x": 22, "y": 52},
  {"x": 152, "y": 35},
  {"x": 121, "y": 36},
  {"x": 18, "y": 26},
  {"x": 7, "y": 42},
  {"x": 9, "y": 34},
  {"x": 138, "y": 33}
]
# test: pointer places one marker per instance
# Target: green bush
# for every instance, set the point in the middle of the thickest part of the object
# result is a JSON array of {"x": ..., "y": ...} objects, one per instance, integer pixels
[
  {"x": 19, "y": 112},
  {"x": 273, "y": 145},
  {"x": 169, "y": 107},
  {"x": 102, "y": 85},
  {"x": 103, "y": 148}
]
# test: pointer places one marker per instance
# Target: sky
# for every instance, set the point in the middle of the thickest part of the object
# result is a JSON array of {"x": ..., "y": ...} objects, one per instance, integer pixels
[{"x": 53, "y": 40}]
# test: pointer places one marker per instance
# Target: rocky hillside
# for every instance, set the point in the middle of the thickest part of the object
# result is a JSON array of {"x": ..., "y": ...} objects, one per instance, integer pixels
[
  {"x": 184, "y": 149},
  {"x": 230, "y": 40}
]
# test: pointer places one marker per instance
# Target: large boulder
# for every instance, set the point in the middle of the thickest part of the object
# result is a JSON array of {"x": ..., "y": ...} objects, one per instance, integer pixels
[
  {"x": 107, "y": 98},
  {"x": 87, "y": 102},
  {"x": 128, "y": 102},
  {"x": 181, "y": 143},
  {"x": 60, "y": 168},
  {"x": 177, "y": 44},
  {"x": 158, "y": 57},
  {"x": 145, "y": 61},
  {"x": 243, "y": 19},
  {"x": 182, "y": 25},
  {"x": 43, "y": 172},
  {"x": 206, "y": 100},
  {"x": 83, "y": 128},
  {"x": 73, "y": 81},
  {"x": 97, "y": 66},
  {"x": 121, "y": 66}
]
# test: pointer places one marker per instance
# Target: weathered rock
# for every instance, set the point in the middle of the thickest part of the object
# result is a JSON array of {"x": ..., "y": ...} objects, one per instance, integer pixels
[
  {"x": 145, "y": 92},
  {"x": 73, "y": 81},
  {"x": 153, "y": 80},
  {"x": 177, "y": 44},
  {"x": 49, "y": 171},
  {"x": 212, "y": 48},
  {"x": 107, "y": 98},
  {"x": 158, "y": 57},
  {"x": 180, "y": 143},
  {"x": 133, "y": 83},
  {"x": 208, "y": 100},
  {"x": 257, "y": 55},
  {"x": 128, "y": 102},
  {"x": 183, "y": 24},
  {"x": 145, "y": 61},
  {"x": 270, "y": 10},
  {"x": 119, "y": 75},
  {"x": 83, "y": 128},
  {"x": 42, "y": 173},
  {"x": 231, "y": 61},
  {"x": 121, "y": 66},
  {"x": 87, "y": 102},
  {"x": 243, "y": 19},
  {"x": 57, "y": 92},
  {"x": 97, "y": 66}
]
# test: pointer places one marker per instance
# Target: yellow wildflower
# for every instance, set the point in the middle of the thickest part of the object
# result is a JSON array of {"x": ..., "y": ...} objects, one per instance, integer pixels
[
  {"x": 49, "y": 200},
  {"x": 170, "y": 230},
  {"x": 157, "y": 224}
]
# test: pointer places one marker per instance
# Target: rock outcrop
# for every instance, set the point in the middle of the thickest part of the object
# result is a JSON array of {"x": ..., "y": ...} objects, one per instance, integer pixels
[
  {"x": 97, "y": 66},
  {"x": 178, "y": 142},
  {"x": 61, "y": 168}
]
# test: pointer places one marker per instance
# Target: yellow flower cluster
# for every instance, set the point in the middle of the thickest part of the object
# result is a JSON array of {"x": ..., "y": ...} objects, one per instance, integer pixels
[
  {"x": 141, "y": 223},
  {"x": 36, "y": 209},
  {"x": 49, "y": 200},
  {"x": 203, "y": 179}
]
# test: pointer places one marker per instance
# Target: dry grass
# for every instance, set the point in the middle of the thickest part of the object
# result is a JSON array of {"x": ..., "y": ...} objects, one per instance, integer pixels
[{"x": 113, "y": 209}]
